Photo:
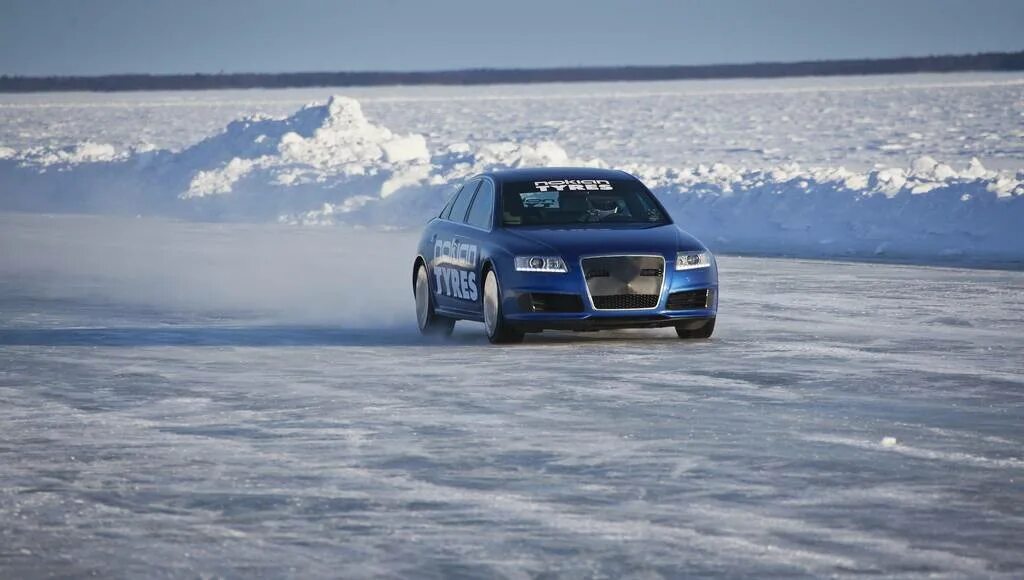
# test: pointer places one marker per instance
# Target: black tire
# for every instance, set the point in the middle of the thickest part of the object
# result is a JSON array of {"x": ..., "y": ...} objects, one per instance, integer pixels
[
  {"x": 429, "y": 323},
  {"x": 499, "y": 331},
  {"x": 684, "y": 331}
]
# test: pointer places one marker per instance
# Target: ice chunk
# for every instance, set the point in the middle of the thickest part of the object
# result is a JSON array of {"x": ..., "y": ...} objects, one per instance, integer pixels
[
  {"x": 217, "y": 181},
  {"x": 975, "y": 170},
  {"x": 923, "y": 166}
]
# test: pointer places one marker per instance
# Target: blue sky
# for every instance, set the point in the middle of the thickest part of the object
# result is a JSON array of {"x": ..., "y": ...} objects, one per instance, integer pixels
[{"x": 43, "y": 37}]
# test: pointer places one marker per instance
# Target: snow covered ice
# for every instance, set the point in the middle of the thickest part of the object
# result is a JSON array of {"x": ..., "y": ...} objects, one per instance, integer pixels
[
  {"x": 181, "y": 399},
  {"x": 195, "y": 381}
]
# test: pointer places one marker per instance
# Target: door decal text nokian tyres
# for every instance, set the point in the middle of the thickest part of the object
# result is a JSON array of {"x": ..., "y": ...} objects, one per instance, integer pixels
[{"x": 455, "y": 269}]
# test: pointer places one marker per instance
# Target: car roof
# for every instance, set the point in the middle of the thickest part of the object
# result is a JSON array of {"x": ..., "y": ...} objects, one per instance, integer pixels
[{"x": 547, "y": 173}]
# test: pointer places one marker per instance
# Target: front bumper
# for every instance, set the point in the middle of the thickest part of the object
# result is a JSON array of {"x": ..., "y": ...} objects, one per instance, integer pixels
[
  {"x": 610, "y": 322},
  {"x": 519, "y": 287}
]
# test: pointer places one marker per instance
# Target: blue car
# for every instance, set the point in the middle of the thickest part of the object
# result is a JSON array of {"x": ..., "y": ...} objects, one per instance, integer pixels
[{"x": 528, "y": 250}]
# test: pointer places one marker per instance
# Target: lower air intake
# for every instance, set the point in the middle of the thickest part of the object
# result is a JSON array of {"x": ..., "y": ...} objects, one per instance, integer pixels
[
  {"x": 625, "y": 301},
  {"x": 689, "y": 299},
  {"x": 544, "y": 302}
]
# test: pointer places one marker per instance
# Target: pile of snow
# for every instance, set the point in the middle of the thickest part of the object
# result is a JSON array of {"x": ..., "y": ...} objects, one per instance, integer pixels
[
  {"x": 322, "y": 145},
  {"x": 329, "y": 164}
]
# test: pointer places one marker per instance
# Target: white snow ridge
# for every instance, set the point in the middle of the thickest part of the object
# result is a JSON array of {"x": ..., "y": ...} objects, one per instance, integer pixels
[
  {"x": 323, "y": 145},
  {"x": 329, "y": 164}
]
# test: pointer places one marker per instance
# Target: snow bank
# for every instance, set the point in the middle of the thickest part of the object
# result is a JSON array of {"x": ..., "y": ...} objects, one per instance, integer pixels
[
  {"x": 929, "y": 211},
  {"x": 329, "y": 164}
]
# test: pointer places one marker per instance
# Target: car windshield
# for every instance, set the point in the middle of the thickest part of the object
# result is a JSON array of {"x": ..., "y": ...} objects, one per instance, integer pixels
[{"x": 578, "y": 203}]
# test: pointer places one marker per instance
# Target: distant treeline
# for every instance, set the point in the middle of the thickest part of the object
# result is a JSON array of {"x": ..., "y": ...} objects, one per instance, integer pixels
[{"x": 997, "y": 61}]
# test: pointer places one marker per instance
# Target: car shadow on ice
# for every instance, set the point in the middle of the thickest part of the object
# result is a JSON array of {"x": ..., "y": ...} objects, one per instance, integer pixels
[
  {"x": 645, "y": 335},
  {"x": 292, "y": 335}
]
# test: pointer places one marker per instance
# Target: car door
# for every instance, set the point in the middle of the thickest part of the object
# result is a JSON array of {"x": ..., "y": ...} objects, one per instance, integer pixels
[
  {"x": 474, "y": 237},
  {"x": 451, "y": 261}
]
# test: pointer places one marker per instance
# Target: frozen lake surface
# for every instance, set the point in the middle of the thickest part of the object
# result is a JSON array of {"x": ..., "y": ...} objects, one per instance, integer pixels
[
  {"x": 854, "y": 121},
  {"x": 196, "y": 399}
]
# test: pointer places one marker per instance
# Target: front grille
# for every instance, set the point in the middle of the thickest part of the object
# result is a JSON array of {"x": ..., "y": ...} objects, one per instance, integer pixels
[
  {"x": 550, "y": 302},
  {"x": 625, "y": 301},
  {"x": 690, "y": 299},
  {"x": 624, "y": 282}
]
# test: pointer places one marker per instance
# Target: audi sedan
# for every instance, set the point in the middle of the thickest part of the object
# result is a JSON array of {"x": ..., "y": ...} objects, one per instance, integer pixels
[{"x": 528, "y": 250}]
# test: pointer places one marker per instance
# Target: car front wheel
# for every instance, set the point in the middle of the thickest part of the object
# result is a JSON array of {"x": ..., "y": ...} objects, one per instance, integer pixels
[
  {"x": 429, "y": 323},
  {"x": 498, "y": 330},
  {"x": 684, "y": 330}
]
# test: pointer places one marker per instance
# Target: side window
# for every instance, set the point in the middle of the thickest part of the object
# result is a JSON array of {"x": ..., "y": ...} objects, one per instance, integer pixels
[
  {"x": 458, "y": 213},
  {"x": 483, "y": 207},
  {"x": 451, "y": 201}
]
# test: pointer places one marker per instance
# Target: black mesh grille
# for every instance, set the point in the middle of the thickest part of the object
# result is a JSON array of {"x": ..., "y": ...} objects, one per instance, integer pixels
[
  {"x": 550, "y": 302},
  {"x": 689, "y": 300},
  {"x": 623, "y": 301}
]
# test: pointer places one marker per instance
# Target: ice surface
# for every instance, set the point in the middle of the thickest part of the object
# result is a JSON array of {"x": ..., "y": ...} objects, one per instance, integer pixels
[
  {"x": 804, "y": 167},
  {"x": 195, "y": 399}
]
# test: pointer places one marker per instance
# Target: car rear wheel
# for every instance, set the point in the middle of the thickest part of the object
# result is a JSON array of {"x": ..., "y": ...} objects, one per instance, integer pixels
[
  {"x": 498, "y": 330},
  {"x": 684, "y": 330},
  {"x": 429, "y": 323}
]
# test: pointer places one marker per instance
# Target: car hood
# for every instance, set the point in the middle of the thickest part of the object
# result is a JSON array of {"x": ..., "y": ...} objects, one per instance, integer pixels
[{"x": 575, "y": 242}]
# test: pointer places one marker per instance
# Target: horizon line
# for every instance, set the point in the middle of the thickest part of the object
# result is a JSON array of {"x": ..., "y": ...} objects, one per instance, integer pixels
[{"x": 983, "y": 61}]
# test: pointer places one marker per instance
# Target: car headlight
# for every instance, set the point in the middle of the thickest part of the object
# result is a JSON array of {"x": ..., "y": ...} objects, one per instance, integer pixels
[
  {"x": 692, "y": 260},
  {"x": 540, "y": 264}
]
